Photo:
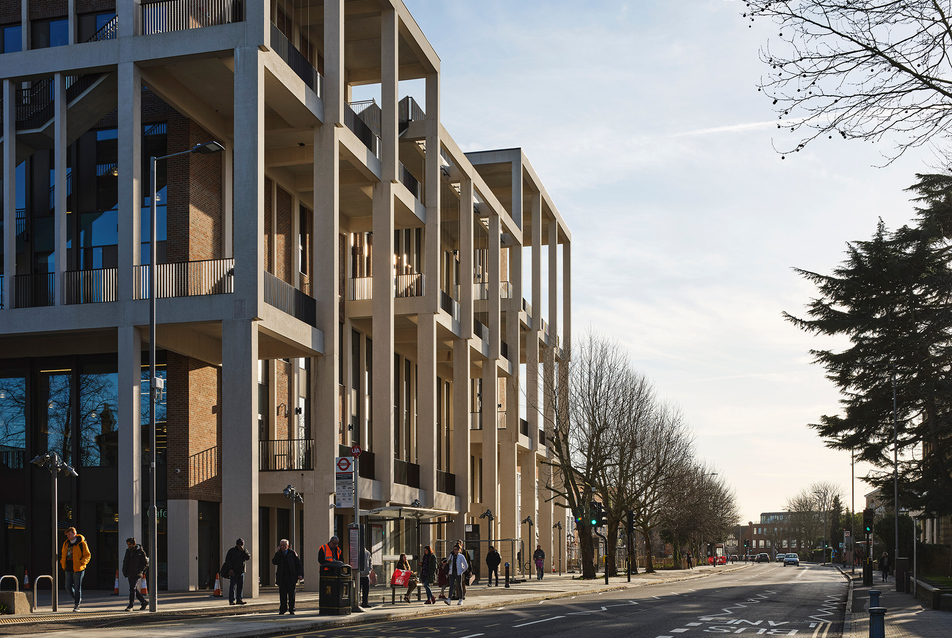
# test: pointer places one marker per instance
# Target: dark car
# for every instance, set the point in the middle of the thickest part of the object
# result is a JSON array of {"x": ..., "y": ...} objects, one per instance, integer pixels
[{"x": 762, "y": 558}]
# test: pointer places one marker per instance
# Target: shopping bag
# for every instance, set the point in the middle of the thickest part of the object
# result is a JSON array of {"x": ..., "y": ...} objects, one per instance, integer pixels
[
  {"x": 400, "y": 577},
  {"x": 140, "y": 585},
  {"x": 373, "y": 578}
]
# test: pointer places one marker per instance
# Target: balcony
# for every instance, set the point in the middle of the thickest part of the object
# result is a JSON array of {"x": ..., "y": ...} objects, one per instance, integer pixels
[
  {"x": 480, "y": 330},
  {"x": 523, "y": 427},
  {"x": 278, "y": 455},
  {"x": 33, "y": 291},
  {"x": 446, "y": 483},
  {"x": 481, "y": 290},
  {"x": 166, "y": 16},
  {"x": 360, "y": 117},
  {"x": 404, "y": 286},
  {"x": 449, "y": 305},
  {"x": 412, "y": 183},
  {"x": 301, "y": 66},
  {"x": 289, "y": 300},
  {"x": 406, "y": 473},
  {"x": 187, "y": 279}
]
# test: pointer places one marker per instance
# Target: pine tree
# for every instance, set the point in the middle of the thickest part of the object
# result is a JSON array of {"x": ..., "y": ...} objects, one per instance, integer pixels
[{"x": 892, "y": 299}]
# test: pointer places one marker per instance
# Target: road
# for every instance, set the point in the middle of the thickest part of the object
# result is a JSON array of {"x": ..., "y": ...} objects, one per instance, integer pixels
[{"x": 764, "y": 600}]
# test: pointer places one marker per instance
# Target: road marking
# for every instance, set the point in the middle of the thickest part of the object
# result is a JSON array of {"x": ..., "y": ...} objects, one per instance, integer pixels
[
  {"x": 680, "y": 630},
  {"x": 535, "y": 622},
  {"x": 472, "y": 636},
  {"x": 693, "y": 624},
  {"x": 802, "y": 572}
]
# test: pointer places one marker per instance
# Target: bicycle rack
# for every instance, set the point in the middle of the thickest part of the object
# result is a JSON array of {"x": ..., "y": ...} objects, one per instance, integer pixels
[
  {"x": 15, "y": 580},
  {"x": 35, "y": 588}
]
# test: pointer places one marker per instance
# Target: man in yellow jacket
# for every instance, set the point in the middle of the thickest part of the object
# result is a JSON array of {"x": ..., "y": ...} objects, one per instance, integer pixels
[{"x": 73, "y": 559}]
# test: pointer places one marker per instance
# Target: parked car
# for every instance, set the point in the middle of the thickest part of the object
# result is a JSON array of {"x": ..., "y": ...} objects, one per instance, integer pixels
[
  {"x": 791, "y": 559},
  {"x": 780, "y": 558},
  {"x": 762, "y": 558}
]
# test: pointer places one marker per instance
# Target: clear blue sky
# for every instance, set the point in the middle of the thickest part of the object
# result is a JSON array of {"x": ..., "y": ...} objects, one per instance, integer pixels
[{"x": 644, "y": 122}]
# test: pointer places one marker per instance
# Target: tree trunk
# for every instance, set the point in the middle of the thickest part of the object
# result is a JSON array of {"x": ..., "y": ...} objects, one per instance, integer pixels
[
  {"x": 649, "y": 564},
  {"x": 587, "y": 552},
  {"x": 611, "y": 549}
]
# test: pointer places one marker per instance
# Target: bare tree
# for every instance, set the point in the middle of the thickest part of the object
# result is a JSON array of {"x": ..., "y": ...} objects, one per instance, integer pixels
[
  {"x": 811, "y": 513},
  {"x": 859, "y": 69}
]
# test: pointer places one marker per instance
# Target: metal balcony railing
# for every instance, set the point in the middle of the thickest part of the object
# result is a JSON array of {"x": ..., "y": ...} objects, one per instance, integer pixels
[
  {"x": 361, "y": 129},
  {"x": 91, "y": 286},
  {"x": 360, "y": 289},
  {"x": 481, "y": 290},
  {"x": 412, "y": 183},
  {"x": 449, "y": 305},
  {"x": 187, "y": 279},
  {"x": 480, "y": 330},
  {"x": 33, "y": 291},
  {"x": 301, "y": 66},
  {"x": 166, "y": 16},
  {"x": 289, "y": 299},
  {"x": 12, "y": 458},
  {"x": 407, "y": 111},
  {"x": 523, "y": 427},
  {"x": 277, "y": 455},
  {"x": 109, "y": 31},
  {"x": 406, "y": 473},
  {"x": 408, "y": 285}
]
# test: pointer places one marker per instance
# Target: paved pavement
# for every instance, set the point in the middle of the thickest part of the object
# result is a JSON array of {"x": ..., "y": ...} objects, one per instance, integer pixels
[
  {"x": 906, "y": 616},
  {"x": 194, "y": 614}
]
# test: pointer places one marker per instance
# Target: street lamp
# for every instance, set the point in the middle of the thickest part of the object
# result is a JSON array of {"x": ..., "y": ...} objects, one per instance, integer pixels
[
  {"x": 156, "y": 385},
  {"x": 56, "y": 465},
  {"x": 558, "y": 526},
  {"x": 295, "y": 497}
]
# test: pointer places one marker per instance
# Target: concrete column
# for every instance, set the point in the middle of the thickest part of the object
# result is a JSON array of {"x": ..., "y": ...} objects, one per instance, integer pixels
[
  {"x": 71, "y": 17},
  {"x": 227, "y": 199},
  {"x": 507, "y": 519},
  {"x": 9, "y": 191},
  {"x": 490, "y": 434},
  {"x": 567, "y": 296},
  {"x": 533, "y": 409},
  {"x": 495, "y": 303},
  {"x": 466, "y": 201},
  {"x": 459, "y": 443},
  {"x": 432, "y": 181},
  {"x": 60, "y": 148},
  {"x": 426, "y": 406},
  {"x": 257, "y": 30},
  {"x": 239, "y": 451},
  {"x": 126, "y": 12},
  {"x": 130, "y": 436},
  {"x": 334, "y": 62},
  {"x": 553, "y": 277},
  {"x": 389, "y": 96},
  {"x": 129, "y": 95},
  {"x": 183, "y": 544},
  {"x": 528, "y": 504},
  {"x": 545, "y": 523},
  {"x": 346, "y": 347},
  {"x": 25, "y": 21}
]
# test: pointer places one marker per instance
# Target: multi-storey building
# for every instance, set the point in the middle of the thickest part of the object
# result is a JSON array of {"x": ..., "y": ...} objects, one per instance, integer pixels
[{"x": 340, "y": 274}]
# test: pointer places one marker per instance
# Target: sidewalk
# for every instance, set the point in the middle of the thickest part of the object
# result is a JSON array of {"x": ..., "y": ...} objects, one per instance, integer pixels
[
  {"x": 193, "y": 614},
  {"x": 906, "y": 617}
]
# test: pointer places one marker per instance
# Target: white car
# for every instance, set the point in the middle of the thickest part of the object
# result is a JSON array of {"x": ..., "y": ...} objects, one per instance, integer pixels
[{"x": 791, "y": 559}]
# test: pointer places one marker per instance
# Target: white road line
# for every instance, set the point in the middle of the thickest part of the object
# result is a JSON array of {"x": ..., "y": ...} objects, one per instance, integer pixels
[
  {"x": 535, "y": 622},
  {"x": 802, "y": 572},
  {"x": 472, "y": 635},
  {"x": 680, "y": 630},
  {"x": 693, "y": 624}
]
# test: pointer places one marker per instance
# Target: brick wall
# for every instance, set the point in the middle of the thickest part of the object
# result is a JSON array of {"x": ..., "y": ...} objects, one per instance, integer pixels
[
  {"x": 268, "y": 225},
  {"x": 283, "y": 241},
  {"x": 47, "y": 9},
  {"x": 194, "y": 207},
  {"x": 10, "y": 12},
  {"x": 282, "y": 381},
  {"x": 194, "y": 429},
  {"x": 95, "y": 6}
]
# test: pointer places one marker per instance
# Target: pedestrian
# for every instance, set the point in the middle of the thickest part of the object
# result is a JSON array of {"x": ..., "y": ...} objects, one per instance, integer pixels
[
  {"x": 73, "y": 559},
  {"x": 330, "y": 551},
  {"x": 235, "y": 571},
  {"x": 690, "y": 561},
  {"x": 134, "y": 566},
  {"x": 457, "y": 567},
  {"x": 404, "y": 564},
  {"x": 442, "y": 576},
  {"x": 365, "y": 578},
  {"x": 289, "y": 572},
  {"x": 492, "y": 562},
  {"x": 539, "y": 557},
  {"x": 884, "y": 565},
  {"x": 427, "y": 572}
]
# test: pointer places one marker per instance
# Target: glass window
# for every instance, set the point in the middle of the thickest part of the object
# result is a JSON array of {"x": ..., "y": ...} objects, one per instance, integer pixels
[
  {"x": 50, "y": 33},
  {"x": 54, "y": 417},
  {"x": 98, "y": 416},
  {"x": 12, "y": 421},
  {"x": 12, "y": 38}
]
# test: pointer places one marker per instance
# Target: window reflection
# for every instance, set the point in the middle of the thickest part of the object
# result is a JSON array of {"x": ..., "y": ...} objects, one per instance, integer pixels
[
  {"x": 160, "y": 417},
  {"x": 98, "y": 417},
  {"x": 12, "y": 421},
  {"x": 54, "y": 414}
]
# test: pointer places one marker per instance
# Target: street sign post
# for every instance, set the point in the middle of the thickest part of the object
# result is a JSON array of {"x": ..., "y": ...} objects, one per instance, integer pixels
[{"x": 344, "y": 485}]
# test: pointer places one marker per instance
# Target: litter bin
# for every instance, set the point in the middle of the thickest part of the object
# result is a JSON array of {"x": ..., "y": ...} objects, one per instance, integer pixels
[
  {"x": 337, "y": 588},
  {"x": 902, "y": 574}
]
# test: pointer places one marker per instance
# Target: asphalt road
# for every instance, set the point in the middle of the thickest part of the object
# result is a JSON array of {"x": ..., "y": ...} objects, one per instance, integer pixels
[{"x": 765, "y": 600}]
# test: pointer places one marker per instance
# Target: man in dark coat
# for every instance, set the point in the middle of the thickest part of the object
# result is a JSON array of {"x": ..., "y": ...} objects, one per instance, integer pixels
[
  {"x": 134, "y": 564},
  {"x": 289, "y": 572},
  {"x": 492, "y": 562},
  {"x": 235, "y": 562}
]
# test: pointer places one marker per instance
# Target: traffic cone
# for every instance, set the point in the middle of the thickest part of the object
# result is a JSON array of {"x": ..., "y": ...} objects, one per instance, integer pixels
[
  {"x": 217, "y": 592},
  {"x": 115, "y": 587},
  {"x": 26, "y": 579}
]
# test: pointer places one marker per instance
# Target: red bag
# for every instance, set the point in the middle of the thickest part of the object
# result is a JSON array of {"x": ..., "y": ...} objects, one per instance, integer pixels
[{"x": 400, "y": 577}]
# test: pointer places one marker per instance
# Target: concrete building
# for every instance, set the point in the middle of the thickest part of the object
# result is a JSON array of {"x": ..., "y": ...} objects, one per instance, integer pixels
[{"x": 340, "y": 274}]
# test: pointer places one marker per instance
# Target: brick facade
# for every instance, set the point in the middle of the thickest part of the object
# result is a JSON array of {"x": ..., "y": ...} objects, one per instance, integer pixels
[
  {"x": 48, "y": 9},
  {"x": 282, "y": 236},
  {"x": 268, "y": 225},
  {"x": 95, "y": 6},
  {"x": 282, "y": 390}
]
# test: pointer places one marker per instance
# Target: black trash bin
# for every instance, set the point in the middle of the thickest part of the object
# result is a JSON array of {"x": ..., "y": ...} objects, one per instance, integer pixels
[
  {"x": 902, "y": 574},
  {"x": 337, "y": 587}
]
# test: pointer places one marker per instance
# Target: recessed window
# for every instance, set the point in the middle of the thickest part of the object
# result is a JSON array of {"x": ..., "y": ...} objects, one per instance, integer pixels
[
  {"x": 50, "y": 33},
  {"x": 12, "y": 38}
]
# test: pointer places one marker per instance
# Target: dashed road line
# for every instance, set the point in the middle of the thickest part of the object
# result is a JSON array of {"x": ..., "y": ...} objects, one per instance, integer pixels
[{"x": 536, "y": 622}]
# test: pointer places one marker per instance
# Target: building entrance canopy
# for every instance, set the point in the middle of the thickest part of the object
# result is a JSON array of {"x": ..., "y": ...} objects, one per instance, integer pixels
[{"x": 398, "y": 512}]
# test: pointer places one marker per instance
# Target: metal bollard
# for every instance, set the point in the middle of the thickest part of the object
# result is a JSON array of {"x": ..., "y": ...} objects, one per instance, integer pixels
[
  {"x": 877, "y": 622},
  {"x": 507, "y": 575},
  {"x": 873, "y": 598}
]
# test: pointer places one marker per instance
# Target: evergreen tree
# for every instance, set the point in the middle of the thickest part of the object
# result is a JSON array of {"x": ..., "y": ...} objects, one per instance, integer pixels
[{"x": 892, "y": 299}]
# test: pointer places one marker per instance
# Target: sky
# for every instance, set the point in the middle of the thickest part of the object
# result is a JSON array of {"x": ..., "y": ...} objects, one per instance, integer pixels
[{"x": 644, "y": 122}]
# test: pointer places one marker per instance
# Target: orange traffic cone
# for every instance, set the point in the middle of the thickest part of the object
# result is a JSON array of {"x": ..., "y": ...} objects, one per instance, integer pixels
[
  {"x": 217, "y": 592},
  {"x": 115, "y": 586},
  {"x": 26, "y": 579}
]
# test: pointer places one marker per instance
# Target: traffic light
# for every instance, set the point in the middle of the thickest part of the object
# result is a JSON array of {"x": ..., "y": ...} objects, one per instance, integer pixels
[
  {"x": 595, "y": 515},
  {"x": 868, "y": 517},
  {"x": 602, "y": 515},
  {"x": 631, "y": 522},
  {"x": 580, "y": 517}
]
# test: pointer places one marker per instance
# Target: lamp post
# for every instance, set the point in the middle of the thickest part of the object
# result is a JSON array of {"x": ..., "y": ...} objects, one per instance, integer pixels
[
  {"x": 558, "y": 526},
  {"x": 295, "y": 497},
  {"x": 155, "y": 385},
  {"x": 56, "y": 465}
]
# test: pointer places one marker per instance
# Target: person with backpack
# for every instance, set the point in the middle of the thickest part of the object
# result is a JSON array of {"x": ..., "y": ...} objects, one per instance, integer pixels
[{"x": 134, "y": 566}]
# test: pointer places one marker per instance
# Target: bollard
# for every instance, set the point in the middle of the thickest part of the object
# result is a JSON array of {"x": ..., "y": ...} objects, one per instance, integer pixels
[
  {"x": 877, "y": 622},
  {"x": 507, "y": 575},
  {"x": 873, "y": 598}
]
